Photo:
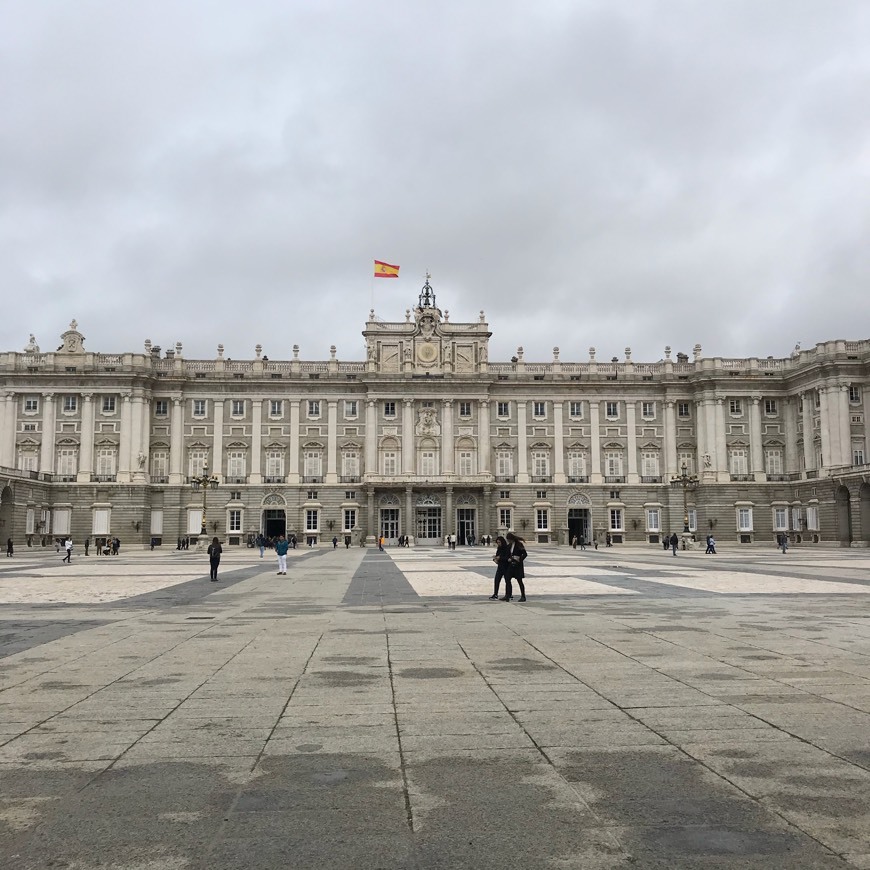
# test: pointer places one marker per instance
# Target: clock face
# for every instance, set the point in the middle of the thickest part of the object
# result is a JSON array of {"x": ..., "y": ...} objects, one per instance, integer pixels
[{"x": 427, "y": 352}]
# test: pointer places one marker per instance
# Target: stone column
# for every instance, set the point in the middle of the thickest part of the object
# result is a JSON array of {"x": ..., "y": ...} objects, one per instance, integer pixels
[
  {"x": 790, "y": 460},
  {"x": 558, "y": 442},
  {"x": 595, "y": 475},
  {"x": 7, "y": 437},
  {"x": 86, "y": 445},
  {"x": 450, "y": 516},
  {"x": 631, "y": 427},
  {"x": 145, "y": 437},
  {"x": 371, "y": 537},
  {"x": 49, "y": 424},
  {"x": 827, "y": 422},
  {"x": 845, "y": 424},
  {"x": 408, "y": 447},
  {"x": 408, "y": 524},
  {"x": 487, "y": 508},
  {"x": 176, "y": 442},
  {"x": 700, "y": 437},
  {"x": 125, "y": 451},
  {"x": 670, "y": 440},
  {"x": 256, "y": 476},
  {"x": 865, "y": 407},
  {"x": 448, "y": 451},
  {"x": 136, "y": 446},
  {"x": 721, "y": 445},
  {"x": 371, "y": 460},
  {"x": 522, "y": 442},
  {"x": 484, "y": 448},
  {"x": 293, "y": 465},
  {"x": 808, "y": 433},
  {"x": 331, "y": 440},
  {"x": 217, "y": 451},
  {"x": 756, "y": 456}
]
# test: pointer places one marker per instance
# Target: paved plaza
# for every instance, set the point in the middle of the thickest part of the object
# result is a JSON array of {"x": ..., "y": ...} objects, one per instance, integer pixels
[{"x": 377, "y": 710}]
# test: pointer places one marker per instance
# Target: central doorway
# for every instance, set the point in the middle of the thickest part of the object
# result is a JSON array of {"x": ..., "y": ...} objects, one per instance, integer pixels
[
  {"x": 578, "y": 524},
  {"x": 274, "y": 523},
  {"x": 428, "y": 525},
  {"x": 390, "y": 525},
  {"x": 465, "y": 525}
]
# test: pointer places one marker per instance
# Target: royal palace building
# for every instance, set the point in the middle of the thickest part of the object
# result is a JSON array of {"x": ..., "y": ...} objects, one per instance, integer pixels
[{"x": 428, "y": 437}]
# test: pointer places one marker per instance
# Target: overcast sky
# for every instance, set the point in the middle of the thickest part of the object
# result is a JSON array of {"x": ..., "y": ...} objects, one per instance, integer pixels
[{"x": 641, "y": 173}]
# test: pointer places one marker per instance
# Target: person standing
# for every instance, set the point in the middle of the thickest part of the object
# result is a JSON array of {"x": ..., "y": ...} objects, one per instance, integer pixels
[
  {"x": 516, "y": 570},
  {"x": 214, "y": 557},
  {"x": 783, "y": 542},
  {"x": 711, "y": 545},
  {"x": 502, "y": 560},
  {"x": 67, "y": 545},
  {"x": 10, "y": 548},
  {"x": 674, "y": 543},
  {"x": 334, "y": 542},
  {"x": 87, "y": 544},
  {"x": 281, "y": 548},
  {"x": 574, "y": 542}
]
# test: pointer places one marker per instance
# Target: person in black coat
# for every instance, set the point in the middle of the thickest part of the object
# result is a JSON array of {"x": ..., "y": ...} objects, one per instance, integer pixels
[
  {"x": 214, "y": 557},
  {"x": 516, "y": 571},
  {"x": 502, "y": 560}
]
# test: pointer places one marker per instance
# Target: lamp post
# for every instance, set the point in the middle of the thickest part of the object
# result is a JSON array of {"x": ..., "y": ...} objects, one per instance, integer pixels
[
  {"x": 204, "y": 482},
  {"x": 686, "y": 481}
]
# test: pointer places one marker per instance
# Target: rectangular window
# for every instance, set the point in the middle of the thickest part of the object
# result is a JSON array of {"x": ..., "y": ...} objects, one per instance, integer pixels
[
  {"x": 576, "y": 464},
  {"x": 735, "y": 407},
  {"x": 780, "y": 519},
  {"x": 350, "y": 495},
  {"x": 539, "y": 409},
  {"x": 575, "y": 409},
  {"x": 67, "y": 461},
  {"x": 389, "y": 409},
  {"x": 541, "y": 494},
  {"x": 236, "y": 465},
  {"x": 161, "y": 408},
  {"x": 156, "y": 521},
  {"x": 234, "y": 520},
  {"x": 616, "y": 519},
  {"x": 238, "y": 408},
  {"x": 649, "y": 464},
  {"x": 312, "y": 520},
  {"x": 503, "y": 409},
  {"x": 687, "y": 458},
  {"x": 159, "y": 466},
  {"x": 314, "y": 407},
  {"x": 653, "y": 521},
  {"x": 744, "y": 519},
  {"x": 504, "y": 518},
  {"x": 737, "y": 462},
  {"x": 349, "y": 519},
  {"x": 611, "y": 410},
  {"x": 311, "y": 495},
  {"x": 235, "y": 495},
  {"x": 857, "y": 454},
  {"x": 350, "y": 464},
  {"x": 313, "y": 463},
  {"x": 683, "y": 409},
  {"x": 427, "y": 463},
  {"x": 812, "y": 518},
  {"x": 274, "y": 464},
  {"x": 27, "y": 460},
  {"x": 466, "y": 463},
  {"x": 540, "y": 463},
  {"x": 390, "y": 463},
  {"x": 276, "y": 408},
  {"x": 31, "y": 405},
  {"x": 855, "y": 395},
  {"x": 542, "y": 520},
  {"x": 196, "y": 460},
  {"x": 199, "y": 407},
  {"x": 106, "y": 462},
  {"x": 351, "y": 409},
  {"x": 613, "y": 463},
  {"x": 693, "y": 519},
  {"x": 504, "y": 463},
  {"x": 60, "y": 521},
  {"x": 504, "y": 494},
  {"x": 465, "y": 409},
  {"x": 70, "y": 403},
  {"x": 648, "y": 409},
  {"x": 773, "y": 461},
  {"x": 770, "y": 407},
  {"x": 101, "y": 519}
]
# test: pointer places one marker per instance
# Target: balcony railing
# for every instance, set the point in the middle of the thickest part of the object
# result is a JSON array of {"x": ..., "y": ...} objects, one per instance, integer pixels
[
  {"x": 236, "y": 480},
  {"x": 578, "y": 478},
  {"x": 349, "y": 478},
  {"x": 505, "y": 478},
  {"x": 64, "y": 478},
  {"x": 614, "y": 478},
  {"x": 273, "y": 478},
  {"x": 742, "y": 477},
  {"x": 105, "y": 478},
  {"x": 651, "y": 478},
  {"x": 160, "y": 479},
  {"x": 542, "y": 478},
  {"x": 312, "y": 478}
]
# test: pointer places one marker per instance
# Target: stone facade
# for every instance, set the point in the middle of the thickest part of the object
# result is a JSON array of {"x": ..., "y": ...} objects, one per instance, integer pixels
[{"x": 427, "y": 437}]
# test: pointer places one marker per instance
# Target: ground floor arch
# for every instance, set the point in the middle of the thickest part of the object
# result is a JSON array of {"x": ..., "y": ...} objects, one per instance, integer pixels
[{"x": 844, "y": 516}]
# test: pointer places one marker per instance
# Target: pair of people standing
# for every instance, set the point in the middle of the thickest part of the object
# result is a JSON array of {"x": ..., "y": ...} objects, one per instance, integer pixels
[{"x": 509, "y": 556}]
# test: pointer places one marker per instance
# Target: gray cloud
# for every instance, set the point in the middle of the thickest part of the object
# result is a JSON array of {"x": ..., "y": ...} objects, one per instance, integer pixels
[{"x": 596, "y": 173}]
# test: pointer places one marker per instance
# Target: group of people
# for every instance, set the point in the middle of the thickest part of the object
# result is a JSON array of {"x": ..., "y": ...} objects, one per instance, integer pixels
[{"x": 510, "y": 554}]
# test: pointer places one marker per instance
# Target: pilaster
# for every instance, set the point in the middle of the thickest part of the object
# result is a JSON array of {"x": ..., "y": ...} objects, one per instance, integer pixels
[
  {"x": 293, "y": 466},
  {"x": 595, "y": 475},
  {"x": 631, "y": 427},
  {"x": 256, "y": 476},
  {"x": 408, "y": 446},
  {"x": 46, "y": 450},
  {"x": 484, "y": 447},
  {"x": 558, "y": 441},
  {"x": 522, "y": 442},
  {"x": 125, "y": 450},
  {"x": 670, "y": 439},
  {"x": 448, "y": 453},
  {"x": 331, "y": 440},
  {"x": 756, "y": 455},
  {"x": 176, "y": 442}
]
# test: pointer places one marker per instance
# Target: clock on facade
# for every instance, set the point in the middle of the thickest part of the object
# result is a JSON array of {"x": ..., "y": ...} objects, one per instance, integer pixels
[{"x": 427, "y": 352}]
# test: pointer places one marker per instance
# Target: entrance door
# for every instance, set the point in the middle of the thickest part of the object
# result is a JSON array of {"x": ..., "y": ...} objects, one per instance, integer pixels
[
  {"x": 578, "y": 524},
  {"x": 465, "y": 526},
  {"x": 428, "y": 525},
  {"x": 390, "y": 525},
  {"x": 274, "y": 523}
]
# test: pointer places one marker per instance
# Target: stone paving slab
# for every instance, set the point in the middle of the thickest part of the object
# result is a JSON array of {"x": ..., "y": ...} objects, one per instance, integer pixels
[{"x": 376, "y": 710}]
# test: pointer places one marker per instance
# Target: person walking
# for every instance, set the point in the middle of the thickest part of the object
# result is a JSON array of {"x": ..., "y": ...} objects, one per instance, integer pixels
[
  {"x": 281, "y": 548},
  {"x": 214, "y": 557},
  {"x": 502, "y": 561},
  {"x": 261, "y": 543},
  {"x": 334, "y": 542},
  {"x": 574, "y": 542},
  {"x": 711, "y": 545},
  {"x": 782, "y": 541},
  {"x": 10, "y": 548},
  {"x": 67, "y": 545},
  {"x": 674, "y": 543},
  {"x": 516, "y": 570}
]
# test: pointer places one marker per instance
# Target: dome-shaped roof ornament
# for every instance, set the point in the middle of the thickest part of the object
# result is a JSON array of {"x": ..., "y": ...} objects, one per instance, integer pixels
[{"x": 427, "y": 295}]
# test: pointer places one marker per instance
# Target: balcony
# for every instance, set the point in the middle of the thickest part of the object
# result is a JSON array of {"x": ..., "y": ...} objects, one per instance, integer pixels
[
  {"x": 505, "y": 478},
  {"x": 651, "y": 478},
  {"x": 313, "y": 478},
  {"x": 542, "y": 478},
  {"x": 614, "y": 478},
  {"x": 578, "y": 478},
  {"x": 273, "y": 478},
  {"x": 160, "y": 479},
  {"x": 235, "y": 480},
  {"x": 349, "y": 478},
  {"x": 104, "y": 478},
  {"x": 64, "y": 478},
  {"x": 742, "y": 477}
]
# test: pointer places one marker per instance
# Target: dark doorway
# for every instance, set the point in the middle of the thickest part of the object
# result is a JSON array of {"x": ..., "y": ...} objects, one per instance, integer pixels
[
  {"x": 465, "y": 520},
  {"x": 274, "y": 523},
  {"x": 578, "y": 524},
  {"x": 864, "y": 507},
  {"x": 844, "y": 516}
]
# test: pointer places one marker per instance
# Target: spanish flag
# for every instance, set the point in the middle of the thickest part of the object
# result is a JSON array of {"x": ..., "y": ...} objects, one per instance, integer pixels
[{"x": 385, "y": 270}]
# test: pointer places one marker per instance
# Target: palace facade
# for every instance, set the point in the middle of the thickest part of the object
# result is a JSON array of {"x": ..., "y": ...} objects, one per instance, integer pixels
[{"x": 427, "y": 437}]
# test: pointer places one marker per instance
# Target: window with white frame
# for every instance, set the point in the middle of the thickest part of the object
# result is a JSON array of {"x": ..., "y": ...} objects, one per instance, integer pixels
[
  {"x": 351, "y": 409},
  {"x": 773, "y": 460},
  {"x": 649, "y": 463},
  {"x": 31, "y": 405},
  {"x": 542, "y": 520},
  {"x": 106, "y": 461},
  {"x": 390, "y": 463},
  {"x": 349, "y": 515},
  {"x": 737, "y": 462},
  {"x": 101, "y": 519},
  {"x": 156, "y": 521},
  {"x": 465, "y": 409},
  {"x": 575, "y": 409},
  {"x": 237, "y": 408},
  {"x": 161, "y": 408},
  {"x": 780, "y": 519},
  {"x": 687, "y": 458},
  {"x": 648, "y": 410},
  {"x": 67, "y": 461},
  {"x": 653, "y": 520},
  {"x": 539, "y": 409},
  {"x": 236, "y": 464},
  {"x": 159, "y": 465},
  {"x": 465, "y": 463},
  {"x": 312, "y": 520},
  {"x": 199, "y": 407},
  {"x": 313, "y": 463},
  {"x": 504, "y": 463},
  {"x": 350, "y": 463},
  {"x": 611, "y": 410},
  {"x": 735, "y": 407},
  {"x": 196, "y": 459},
  {"x": 503, "y": 409},
  {"x": 70, "y": 404},
  {"x": 276, "y": 408},
  {"x": 109, "y": 405},
  {"x": 684, "y": 410},
  {"x": 812, "y": 518},
  {"x": 615, "y": 519},
  {"x": 504, "y": 518},
  {"x": 60, "y": 521},
  {"x": 576, "y": 463},
  {"x": 389, "y": 409},
  {"x": 770, "y": 408},
  {"x": 693, "y": 519},
  {"x": 234, "y": 520},
  {"x": 428, "y": 465},
  {"x": 313, "y": 408},
  {"x": 796, "y": 518},
  {"x": 857, "y": 453},
  {"x": 274, "y": 462},
  {"x": 540, "y": 463},
  {"x": 613, "y": 463},
  {"x": 28, "y": 459},
  {"x": 854, "y": 395},
  {"x": 744, "y": 519}
]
